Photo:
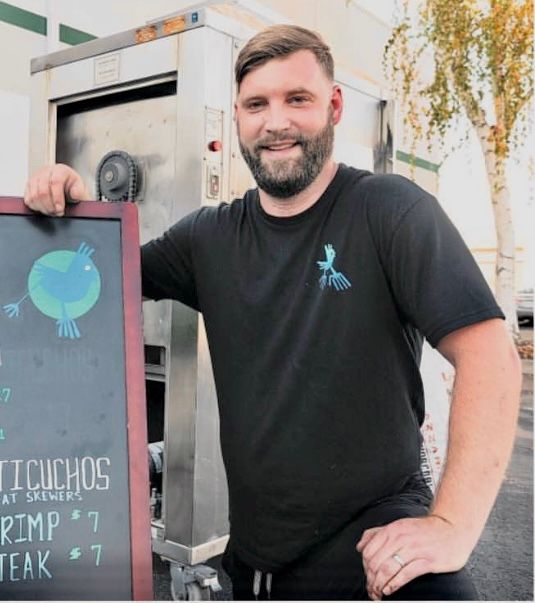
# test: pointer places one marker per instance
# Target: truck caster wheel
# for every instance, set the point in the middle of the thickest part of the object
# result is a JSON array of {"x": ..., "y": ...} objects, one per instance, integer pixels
[{"x": 193, "y": 593}]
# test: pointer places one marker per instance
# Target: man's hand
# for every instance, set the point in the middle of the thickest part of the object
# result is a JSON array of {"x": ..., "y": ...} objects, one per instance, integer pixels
[
  {"x": 405, "y": 549},
  {"x": 46, "y": 189}
]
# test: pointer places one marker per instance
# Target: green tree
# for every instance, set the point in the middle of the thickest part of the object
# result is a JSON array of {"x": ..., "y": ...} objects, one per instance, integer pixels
[{"x": 449, "y": 58}]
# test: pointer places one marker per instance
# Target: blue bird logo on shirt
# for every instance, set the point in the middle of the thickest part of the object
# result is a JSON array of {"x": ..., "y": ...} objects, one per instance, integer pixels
[
  {"x": 331, "y": 277},
  {"x": 64, "y": 285}
]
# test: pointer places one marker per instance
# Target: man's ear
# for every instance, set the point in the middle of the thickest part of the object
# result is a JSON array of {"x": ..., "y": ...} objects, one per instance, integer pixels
[{"x": 337, "y": 104}]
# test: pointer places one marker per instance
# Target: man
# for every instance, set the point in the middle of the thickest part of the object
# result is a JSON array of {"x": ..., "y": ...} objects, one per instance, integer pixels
[{"x": 316, "y": 290}]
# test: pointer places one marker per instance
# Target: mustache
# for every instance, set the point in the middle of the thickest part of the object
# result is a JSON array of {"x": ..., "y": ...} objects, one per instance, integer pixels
[{"x": 278, "y": 138}]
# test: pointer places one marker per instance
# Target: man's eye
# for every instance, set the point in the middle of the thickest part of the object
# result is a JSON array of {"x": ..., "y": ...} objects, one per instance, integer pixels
[
  {"x": 255, "y": 105},
  {"x": 298, "y": 100}
]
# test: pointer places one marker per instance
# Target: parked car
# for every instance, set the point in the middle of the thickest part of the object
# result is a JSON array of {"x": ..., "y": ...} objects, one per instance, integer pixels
[{"x": 524, "y": 306}]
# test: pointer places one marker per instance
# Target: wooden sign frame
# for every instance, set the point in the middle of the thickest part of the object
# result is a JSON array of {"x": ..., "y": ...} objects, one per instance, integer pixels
[{"x": 136, "y": 421}]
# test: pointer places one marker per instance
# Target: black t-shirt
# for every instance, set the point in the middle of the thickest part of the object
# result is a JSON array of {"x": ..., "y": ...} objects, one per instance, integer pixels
[{"x": 315, "y": 326}]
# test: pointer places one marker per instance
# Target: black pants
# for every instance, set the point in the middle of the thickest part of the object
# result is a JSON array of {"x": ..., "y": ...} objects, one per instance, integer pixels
[{"x": 334, "y": 571}]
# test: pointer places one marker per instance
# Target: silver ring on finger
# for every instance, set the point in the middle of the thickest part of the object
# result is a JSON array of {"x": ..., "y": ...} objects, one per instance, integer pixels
[{"x": 399, "y": 559}]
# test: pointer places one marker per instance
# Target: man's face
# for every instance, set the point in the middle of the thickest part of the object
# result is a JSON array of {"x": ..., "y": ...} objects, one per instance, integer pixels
[{"x": 285, "y": 115}]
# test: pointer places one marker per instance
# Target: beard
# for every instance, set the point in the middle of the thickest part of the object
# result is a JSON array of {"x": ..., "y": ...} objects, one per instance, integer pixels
[{"x": 283, "y": 178}]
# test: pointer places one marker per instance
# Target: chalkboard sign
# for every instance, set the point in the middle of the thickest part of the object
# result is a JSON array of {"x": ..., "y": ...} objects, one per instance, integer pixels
[{"x": 74, "y": 495}]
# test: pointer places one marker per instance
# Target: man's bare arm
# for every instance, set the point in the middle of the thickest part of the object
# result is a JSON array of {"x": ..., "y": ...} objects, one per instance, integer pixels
[
  {"x": 482, "y": 428},
  {"x": 483, "y": 422}
]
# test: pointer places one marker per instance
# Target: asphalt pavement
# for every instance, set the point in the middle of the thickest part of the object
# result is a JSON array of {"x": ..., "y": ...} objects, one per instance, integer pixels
[{"x": 502, "y": 563}]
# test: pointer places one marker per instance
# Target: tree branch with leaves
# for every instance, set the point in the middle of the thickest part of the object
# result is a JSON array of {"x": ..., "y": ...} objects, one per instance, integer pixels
[{"x": 470, "y": 58}]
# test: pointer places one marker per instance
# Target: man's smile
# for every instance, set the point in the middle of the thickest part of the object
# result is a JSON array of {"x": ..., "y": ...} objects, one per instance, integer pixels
[{"x": 279, "y": 149}]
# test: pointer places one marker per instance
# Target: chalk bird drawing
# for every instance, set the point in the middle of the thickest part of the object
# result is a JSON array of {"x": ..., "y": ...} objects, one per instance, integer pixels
[
  {"x": 330, "y": 277},
  {"x": 63, "y": 285}
]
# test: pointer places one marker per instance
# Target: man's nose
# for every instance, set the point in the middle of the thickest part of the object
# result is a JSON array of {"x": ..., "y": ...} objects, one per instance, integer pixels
[{"x": 276, "y": 119}]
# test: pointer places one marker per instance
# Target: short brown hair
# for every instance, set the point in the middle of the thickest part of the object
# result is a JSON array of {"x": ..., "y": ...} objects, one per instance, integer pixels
[{"x": 278, "y": 41}]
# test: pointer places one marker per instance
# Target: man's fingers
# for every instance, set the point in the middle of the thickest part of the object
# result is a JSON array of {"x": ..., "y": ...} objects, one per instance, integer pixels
[
  {"x": 39, "y": 196},
  {"x": 412, "y": 570},
  {"x": 57, "y": 193},
  {"x": 77, "y": 190},
  {"x": 28, "y": 195},
  {"x": 384, "y": 566},
  {"x": 46, "y": 190},
  {"x": 33, "y": 191},
  {"x": 377, "y": 550},
  {"x": 366, "y": 537},
  {"x": 43, "y": 195},
  {"x": 408, "y": 548},
  {"x": 377, "y": 554}
]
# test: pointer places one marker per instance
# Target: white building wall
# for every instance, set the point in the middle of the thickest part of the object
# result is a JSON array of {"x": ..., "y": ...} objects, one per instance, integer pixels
[
  {"x": 17, "y": 46},
  {"x": 14, "y": 126}
]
